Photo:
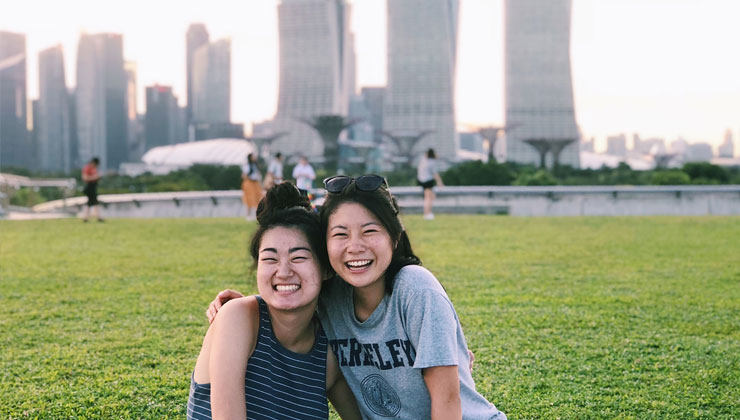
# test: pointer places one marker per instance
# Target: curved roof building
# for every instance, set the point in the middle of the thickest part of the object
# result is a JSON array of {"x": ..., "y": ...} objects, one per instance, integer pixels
[{"x": 210, "y": 152}]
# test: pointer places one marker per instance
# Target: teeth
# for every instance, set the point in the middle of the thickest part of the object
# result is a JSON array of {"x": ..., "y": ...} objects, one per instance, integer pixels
[
  {"x": 359, "y": 263},
  {"x": 287, "y": 287}
]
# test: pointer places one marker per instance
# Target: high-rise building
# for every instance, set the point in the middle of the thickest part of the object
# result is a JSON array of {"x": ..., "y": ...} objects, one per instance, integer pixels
[
  {"x": 196, "y": 37},
  {"x": 52, "y": 127},
  {"x": 102, "y": 123},
  {"x": 135, "y": 132},
  {"x": 15, "y": 145},
  {"x": 374, "y": 97},
  {"x": 422, "y": 52},
  {"x": 726, "y": 149},
  {"x": 161, "y": 119},
  {"x": 316, "y": 70},
  {"x": 538, "y": 81},
  {"x": 699, "y": 152},
  {"x": 616, "y": 145},
  {"x": 212, "y": 83}
]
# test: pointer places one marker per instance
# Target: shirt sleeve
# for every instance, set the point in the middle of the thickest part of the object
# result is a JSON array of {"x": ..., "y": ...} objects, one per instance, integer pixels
[{"x": 431, "y": 325}]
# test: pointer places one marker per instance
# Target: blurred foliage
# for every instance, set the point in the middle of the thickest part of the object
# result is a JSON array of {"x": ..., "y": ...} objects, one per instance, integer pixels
[{"x": 217, "y": 177}]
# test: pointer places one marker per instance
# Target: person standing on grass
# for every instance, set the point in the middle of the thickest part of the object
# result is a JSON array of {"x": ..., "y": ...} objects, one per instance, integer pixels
[
  {"x": 267, "y": 356},
  {"x": 304, "y": 175},
  {"x": 251, "y": 186},
  {"x": 91, "y": 177},
  {"x": 427, "y": 175},
  {"x": 389, "y": 321}
]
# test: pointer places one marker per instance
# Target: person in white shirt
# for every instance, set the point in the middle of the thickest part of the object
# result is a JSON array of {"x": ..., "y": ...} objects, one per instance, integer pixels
[
  {"x": 427, "y": 175},
  {"x": 304, "y": 175},
  {"x": 274, "y": 173}
]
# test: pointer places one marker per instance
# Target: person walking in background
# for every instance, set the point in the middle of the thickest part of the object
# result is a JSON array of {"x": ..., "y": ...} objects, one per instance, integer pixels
[
  {"x": 274, "y": 173},
  {"x": 90, "y": 176},
  {"x": 427, "y": 175},
  {"x": 304, "y": 175},
  {"x": 251, "y": 186}
]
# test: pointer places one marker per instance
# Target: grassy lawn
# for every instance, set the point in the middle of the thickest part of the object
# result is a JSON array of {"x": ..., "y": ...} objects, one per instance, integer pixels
[{"x": 572, "y": 318}]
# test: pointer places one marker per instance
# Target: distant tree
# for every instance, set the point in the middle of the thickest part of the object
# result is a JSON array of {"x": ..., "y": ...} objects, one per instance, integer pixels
[
  {"x": 539, "y": 178},
  {"x": 706, "y": 173},
  {"x": 670, "y": 177},
  {"x": 478, "y": 173}
]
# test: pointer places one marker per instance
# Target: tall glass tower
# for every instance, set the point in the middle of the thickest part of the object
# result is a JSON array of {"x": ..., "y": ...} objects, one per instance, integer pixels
[
  {"x": 53, "y": 130},
  {"x": 539, "y": 90},
  {"x": 102, "y": 123},
  {"x": 316, "y": 70},
  {"x": 15, "y": 148},
  {"x": 422, "y": 51}
]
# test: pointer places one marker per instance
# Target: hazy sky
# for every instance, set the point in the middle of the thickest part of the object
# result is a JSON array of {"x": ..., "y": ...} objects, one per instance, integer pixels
[{"x": 665, "y": 68}]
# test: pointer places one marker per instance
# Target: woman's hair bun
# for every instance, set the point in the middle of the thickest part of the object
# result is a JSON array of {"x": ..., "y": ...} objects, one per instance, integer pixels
[{"x": 280, "y": 197}]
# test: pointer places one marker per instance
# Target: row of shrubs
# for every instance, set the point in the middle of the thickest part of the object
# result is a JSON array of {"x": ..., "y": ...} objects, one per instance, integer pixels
[{"x": 213, "y": 177}]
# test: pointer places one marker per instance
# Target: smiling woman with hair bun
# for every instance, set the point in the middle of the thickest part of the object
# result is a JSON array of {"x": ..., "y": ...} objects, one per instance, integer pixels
[{"x": 267, "y": 356}]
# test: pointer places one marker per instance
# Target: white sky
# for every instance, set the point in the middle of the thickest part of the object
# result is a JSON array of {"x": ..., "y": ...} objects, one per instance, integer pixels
[{"x": 660, "y": 68}]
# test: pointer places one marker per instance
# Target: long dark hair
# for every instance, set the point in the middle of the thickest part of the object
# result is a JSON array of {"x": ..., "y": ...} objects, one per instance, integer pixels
[
  {"x": 385, "y": 208},
  {"x": 284, "y": 206}
]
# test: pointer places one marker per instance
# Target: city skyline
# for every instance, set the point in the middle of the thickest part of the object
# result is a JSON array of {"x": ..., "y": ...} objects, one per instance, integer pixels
[{"x": 636, "y": 67}]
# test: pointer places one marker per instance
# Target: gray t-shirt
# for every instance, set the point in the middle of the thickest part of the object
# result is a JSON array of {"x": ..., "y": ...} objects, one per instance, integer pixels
[{"x": 382, "y": 358}]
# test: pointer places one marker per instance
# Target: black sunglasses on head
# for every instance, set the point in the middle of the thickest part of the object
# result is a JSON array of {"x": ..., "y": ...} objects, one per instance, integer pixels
[{"x": 368, "y": 183}]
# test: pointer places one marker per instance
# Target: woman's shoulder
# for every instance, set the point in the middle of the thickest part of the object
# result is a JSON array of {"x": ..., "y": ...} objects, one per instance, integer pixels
[
  {"x": 240, "y": 310},
  {"x": 415, "y": 277}
]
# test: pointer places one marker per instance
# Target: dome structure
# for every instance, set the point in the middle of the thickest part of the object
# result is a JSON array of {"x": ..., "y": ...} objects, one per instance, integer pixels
[{"x": 209, "y": 152}]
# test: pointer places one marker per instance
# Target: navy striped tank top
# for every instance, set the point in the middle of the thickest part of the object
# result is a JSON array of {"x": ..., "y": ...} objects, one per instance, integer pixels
[{"x": 279, "y": 384}]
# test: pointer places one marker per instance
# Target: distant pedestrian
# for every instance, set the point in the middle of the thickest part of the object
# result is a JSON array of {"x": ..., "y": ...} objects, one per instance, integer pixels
[
  {"x": 304, "y": 175},
  {"x": 427, "y": 175},
  {"x": 274, "y": 173},
  {"x": 251, "y": 186},
  {"x": 90, "y": 176}
]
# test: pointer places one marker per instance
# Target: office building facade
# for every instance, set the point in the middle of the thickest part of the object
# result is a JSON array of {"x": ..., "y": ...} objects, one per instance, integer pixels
[
  {"x": 15, "y": 144},
  {"x": 316, "y": 70},
  {"x": 538, "y": 81},
  {"x": 102, "y": 124},
  {"x": 52, "y": 125},
  {"x": 196, "y": 37},
  {"x": 422, "y": 55}
]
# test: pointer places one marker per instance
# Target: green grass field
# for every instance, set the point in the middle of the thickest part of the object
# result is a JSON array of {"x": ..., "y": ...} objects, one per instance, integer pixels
[{"x": 571, "y": 318}]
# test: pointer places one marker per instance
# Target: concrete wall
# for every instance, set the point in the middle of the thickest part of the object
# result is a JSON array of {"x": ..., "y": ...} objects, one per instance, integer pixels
[{"x": 516, "y": 201}]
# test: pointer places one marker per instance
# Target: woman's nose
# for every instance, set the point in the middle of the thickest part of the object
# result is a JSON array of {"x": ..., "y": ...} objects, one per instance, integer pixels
[
  {"x": 283, "y": 270},
  {"x": 356, "y": 244}
]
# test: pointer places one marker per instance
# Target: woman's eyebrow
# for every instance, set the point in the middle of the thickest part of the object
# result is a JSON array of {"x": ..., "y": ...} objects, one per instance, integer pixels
[
  {"x": 299, "y": 248},
  {"x": 338, "y": 227},
  {"x": 268, "y": 250}
]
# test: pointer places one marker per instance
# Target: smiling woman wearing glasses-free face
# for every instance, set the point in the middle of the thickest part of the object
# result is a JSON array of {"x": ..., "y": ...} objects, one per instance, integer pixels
[{"x": 394, "y": 331}]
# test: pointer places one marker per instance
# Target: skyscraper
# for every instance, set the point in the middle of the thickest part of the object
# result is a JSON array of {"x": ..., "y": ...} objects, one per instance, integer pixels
[
  {"x": 15, "y": 147},
  {"x": 727, "y": 148},
  {"x": 135, "y": 132},
  {"x": 212, "y": 83},
  {"x": 52, "y": 126},
  {"x": 196, "y": 37},
  {"x": 422, "y": 52},
  {"x": 101, "y": 100},
  {"x": 316, "y": 70},
  {"x": 539, "y": 91},
  {"x": 161, "y": 116}
]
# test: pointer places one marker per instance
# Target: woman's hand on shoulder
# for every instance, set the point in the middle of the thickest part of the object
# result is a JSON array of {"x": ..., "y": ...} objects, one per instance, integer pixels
[{"x": 221, "y": 298}]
